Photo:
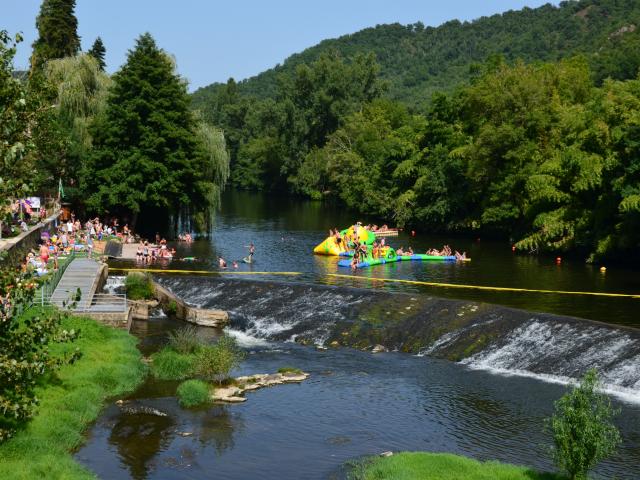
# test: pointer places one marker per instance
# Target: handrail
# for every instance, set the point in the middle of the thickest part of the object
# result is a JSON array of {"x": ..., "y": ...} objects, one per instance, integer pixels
[{"x": 49, "y": 286}]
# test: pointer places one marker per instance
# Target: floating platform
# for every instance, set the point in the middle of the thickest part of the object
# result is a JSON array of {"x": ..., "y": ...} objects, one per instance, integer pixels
[{"x": 371, "y": 262}]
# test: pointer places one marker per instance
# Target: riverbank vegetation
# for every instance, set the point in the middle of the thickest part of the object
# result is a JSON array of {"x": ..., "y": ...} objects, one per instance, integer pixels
[
  {"x": 540, "y": 154},
  {"x": 187, "y": 356},
  {"x": 139, "y": 286},
  {"x": 441, "y": 466},
  {"x": 70, "y": 399},
  {"x": 583, "y": 435},
  {"x": 582, "y": 427},
  {"x": 193, "y": 393},
  {"x": 68, "y": 122}
]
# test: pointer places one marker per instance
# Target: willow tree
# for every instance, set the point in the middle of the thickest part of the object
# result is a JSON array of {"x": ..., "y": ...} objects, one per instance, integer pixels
[
  {"x": 215, "y": 155},
  {"x": 150, "y": 157},
  {"x": 79, "y": 90}
]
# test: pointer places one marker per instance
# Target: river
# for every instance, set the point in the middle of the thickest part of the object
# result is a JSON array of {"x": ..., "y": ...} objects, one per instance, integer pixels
[{"x": 491, "y": 405}]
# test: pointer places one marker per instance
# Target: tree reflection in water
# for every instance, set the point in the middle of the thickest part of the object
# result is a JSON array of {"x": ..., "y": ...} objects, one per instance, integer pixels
[{"x": 139, "y": 438}]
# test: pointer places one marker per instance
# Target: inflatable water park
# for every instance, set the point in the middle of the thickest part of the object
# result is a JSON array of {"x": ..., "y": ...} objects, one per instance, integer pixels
[{"x": 362, "y": 243}]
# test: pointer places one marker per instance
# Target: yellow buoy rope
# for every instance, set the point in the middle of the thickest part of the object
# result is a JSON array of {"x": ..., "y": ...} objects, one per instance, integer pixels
[
  {"x": 388, "y": 280},
  {"x": 483, "y": 287},
  {"x": 199, "y": 272}
]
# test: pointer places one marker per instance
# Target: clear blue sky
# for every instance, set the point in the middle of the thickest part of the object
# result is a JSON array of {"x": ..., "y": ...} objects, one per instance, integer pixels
[{"x": 213, "y": 40}]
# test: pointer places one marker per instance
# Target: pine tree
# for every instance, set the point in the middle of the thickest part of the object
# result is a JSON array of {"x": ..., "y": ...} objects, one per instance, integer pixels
[
  {"x": 58, "y": 32},
  {"x": 149, "y": 154},
  {"x": 97, "y": 51}
]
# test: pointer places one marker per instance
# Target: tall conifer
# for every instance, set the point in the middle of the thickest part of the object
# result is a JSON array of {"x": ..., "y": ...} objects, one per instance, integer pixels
[
  {"x": 149, "y": 156},
  {"x": 58, "y": 32},
  {"x": 98, "y": 51}
]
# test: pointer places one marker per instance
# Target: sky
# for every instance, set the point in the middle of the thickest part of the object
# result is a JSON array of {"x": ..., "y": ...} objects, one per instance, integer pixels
[{"x": 213, "y": 40}]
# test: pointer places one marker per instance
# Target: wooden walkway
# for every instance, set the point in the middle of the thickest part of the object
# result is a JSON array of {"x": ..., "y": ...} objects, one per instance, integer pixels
[
  {"x": 82, "y": 274},
  {"x": 88, "y": 275}
]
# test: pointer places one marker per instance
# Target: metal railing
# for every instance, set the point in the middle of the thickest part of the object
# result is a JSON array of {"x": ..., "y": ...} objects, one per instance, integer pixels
[
  {"x": 52, "y": 281},
  {"x": 100, "y": 303}
]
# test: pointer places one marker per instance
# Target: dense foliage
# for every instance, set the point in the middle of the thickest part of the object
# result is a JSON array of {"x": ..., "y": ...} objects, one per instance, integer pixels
[
  {"x": 25, "y": 341},
  {"x": 583, "y": 432},
  {"x": 58, "y": 32},
  {"x": 24, "y": 122},
  {"x": 139, "y": 286},
  {"x": 544, "y": 154},
  {"x": 150, "y": 154},
  {"x": 417, "y": 61},
  {"x": 121, "y": 146}
]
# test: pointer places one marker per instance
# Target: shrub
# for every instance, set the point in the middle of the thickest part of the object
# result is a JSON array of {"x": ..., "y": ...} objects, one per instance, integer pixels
[
  {"x": 168, "y": 364},
  {"x": 193, "y": 392},
  {"x": 583, "y": 433},
  {"x": 185, "y": 340},
  {"x": 284, "y": 370},
  {"x": 215, "y": 362},
  {"x": 139, "y": 286},
  {"x": 171, "y": 308}
]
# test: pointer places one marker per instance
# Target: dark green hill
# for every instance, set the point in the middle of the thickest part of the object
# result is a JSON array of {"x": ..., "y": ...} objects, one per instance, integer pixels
[{"x": 417, "y": 60}]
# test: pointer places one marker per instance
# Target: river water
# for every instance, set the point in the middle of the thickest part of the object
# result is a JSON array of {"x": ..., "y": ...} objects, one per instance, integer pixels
[{"x": 491, "y": 405}]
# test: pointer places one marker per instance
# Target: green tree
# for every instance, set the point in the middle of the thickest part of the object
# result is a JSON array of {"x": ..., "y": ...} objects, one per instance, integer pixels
[
  {"x": 149, "y": 153},
  {"x": 20, "y": 113},
  {"x": 79, "y": 92},
  {"x": 583, "y": 433},
  {"x": 57, "y": 32},
  {"x": 24, "y": 349},
  {"x": 98, "y": 52}
]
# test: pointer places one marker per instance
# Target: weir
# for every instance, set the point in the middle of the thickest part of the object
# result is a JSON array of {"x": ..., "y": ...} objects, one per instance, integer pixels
[{"x": 478, "y": 335}]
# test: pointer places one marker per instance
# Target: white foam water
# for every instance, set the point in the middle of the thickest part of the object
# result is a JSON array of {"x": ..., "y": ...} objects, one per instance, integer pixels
[
  {"x": 562, "y": 352},
  {"x": 113, "y": 283},
  {"x": 245, "y": 340}
]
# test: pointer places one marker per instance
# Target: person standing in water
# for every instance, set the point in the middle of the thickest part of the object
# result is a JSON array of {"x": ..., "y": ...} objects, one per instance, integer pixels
[{"x": 252, "y": 250}]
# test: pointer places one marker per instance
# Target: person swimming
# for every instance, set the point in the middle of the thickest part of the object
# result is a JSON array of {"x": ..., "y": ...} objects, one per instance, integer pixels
[{"x": 222, "y": 263}]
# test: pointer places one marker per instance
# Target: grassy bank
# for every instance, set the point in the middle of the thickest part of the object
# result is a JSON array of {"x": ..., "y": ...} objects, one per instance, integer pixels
[
  {"x": 70, "y": 400},
  {"x": 442, "y": 466}
]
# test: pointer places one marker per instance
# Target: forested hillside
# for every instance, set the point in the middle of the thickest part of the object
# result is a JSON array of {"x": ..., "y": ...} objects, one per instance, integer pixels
[
  {"x": 416, "y": 60},
  {"x": 545, "y": 154}
]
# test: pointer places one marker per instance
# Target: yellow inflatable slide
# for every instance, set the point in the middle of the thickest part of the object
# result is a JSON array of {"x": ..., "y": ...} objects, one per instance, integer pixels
[{"x": 331, "y": 245}]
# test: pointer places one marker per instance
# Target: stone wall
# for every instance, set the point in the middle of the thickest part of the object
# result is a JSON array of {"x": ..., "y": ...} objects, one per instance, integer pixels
[{"x": 198, "y": 316}]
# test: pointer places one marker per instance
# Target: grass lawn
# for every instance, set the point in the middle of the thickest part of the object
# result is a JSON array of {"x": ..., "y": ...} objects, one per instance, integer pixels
[
  {"x": 70, "y": 400},
  {"x": 442, "y": 466}
]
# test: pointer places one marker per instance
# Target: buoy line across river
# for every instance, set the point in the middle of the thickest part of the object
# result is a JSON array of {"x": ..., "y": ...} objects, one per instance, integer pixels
[{"x": 392, "y": 280}]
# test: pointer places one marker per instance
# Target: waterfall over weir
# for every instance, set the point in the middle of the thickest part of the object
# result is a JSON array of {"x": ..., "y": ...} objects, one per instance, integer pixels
[{"x": 481, "y": 336}]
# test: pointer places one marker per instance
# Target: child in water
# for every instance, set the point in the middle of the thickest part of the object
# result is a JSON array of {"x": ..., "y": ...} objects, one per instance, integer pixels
[{"x": 222, "y": 263}]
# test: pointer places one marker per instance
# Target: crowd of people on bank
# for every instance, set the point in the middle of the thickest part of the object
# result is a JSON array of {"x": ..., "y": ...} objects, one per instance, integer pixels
[
  {"x": 71, "y": 236},
  {"x": 150, "y": 252}
]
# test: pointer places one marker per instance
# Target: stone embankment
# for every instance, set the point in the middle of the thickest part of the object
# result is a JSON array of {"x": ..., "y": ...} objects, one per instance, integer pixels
[
  {"x": 232, "y": 393},
  {"x": 170, "y": 303}
]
